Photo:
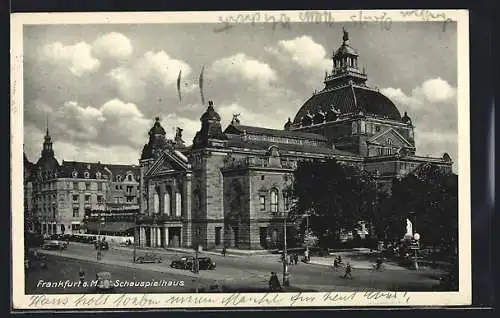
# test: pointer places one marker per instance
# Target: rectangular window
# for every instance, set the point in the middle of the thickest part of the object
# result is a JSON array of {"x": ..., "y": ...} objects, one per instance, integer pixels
[
  {"x": 377, "y": 128},
  {"x": 75, "y": 185},
  {"x": 99, "y": 198},
  {"x": 99, "y": 186},
  {"x": 129, "y": 189},
  {"x": 87, "y": 198},
  {"x": 87, "y": 185},
  {"x": 76, "y": 212},
  {"x": 262, "y": 202},
  {"x": 75, "y": 227},
  {"x": 130, "y": 199},
  {"x": 75, "y": 197}
]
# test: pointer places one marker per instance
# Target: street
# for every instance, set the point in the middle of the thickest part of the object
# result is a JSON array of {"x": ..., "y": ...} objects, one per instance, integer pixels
[{"x": 233, "y": 273}]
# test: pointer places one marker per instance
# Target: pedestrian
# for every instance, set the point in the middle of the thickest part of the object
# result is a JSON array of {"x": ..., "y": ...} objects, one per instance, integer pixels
[
  {"x": 306, "y": 256},
  {"x": 335, "y": 264},
  {"x": 274, "y": 282},
  {"x": 348, "y": 270},
  {"x": 81, "y": 274},
  {"x": 296, "y": 258},
  {"x": 339, "y": 258},
  {"x": 224, "y": 251},
  {"x": 379, "y": 263}
]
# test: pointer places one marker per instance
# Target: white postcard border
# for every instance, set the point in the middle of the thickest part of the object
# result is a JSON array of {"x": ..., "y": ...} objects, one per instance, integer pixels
[{"x": 67, "y": 301}]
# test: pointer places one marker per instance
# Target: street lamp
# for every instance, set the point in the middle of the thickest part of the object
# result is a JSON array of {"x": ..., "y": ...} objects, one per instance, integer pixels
[{"x": 286, "y": 279}]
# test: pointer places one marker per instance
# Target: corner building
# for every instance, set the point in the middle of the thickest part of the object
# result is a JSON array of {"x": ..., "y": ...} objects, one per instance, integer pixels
[{"x": 231, "y": 187}]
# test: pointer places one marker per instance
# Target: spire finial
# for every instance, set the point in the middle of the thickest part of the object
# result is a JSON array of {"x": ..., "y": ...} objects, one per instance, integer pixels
[
  {"x": 47, "y": 124},
  {"x": 157, "y": 118}
]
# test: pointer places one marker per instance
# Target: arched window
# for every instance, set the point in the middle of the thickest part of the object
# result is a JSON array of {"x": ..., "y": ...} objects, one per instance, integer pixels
[
  {"x": 156, "y": 203},
  {"x": 178, "y": 204},
  {"x": 74, "y": 174},
  {"x": 129, "y": 177},
  {"x": 166, "y": 202},
  {"x": 86, "y": 174},
  {"x": 274, "y": 200}
]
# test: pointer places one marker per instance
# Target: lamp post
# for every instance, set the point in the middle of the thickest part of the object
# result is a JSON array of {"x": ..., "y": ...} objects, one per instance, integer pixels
[
  {"x": 135, "y": 238},
  {"x": 286, "y": 279}
]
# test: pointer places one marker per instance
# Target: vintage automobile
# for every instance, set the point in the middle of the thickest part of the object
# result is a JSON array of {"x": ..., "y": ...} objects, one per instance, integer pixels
[
  {"x": 186, "y": 262},
  {"x": 55, "y": 245},
  {"x": 104, "y": 282},
  {"x": 148, "y": 258}
]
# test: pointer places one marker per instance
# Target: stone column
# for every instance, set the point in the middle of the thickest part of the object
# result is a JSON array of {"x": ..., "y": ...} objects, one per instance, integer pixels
[
  {"x": 186, "y": 238},
  {"x": 158, "y": 237}
]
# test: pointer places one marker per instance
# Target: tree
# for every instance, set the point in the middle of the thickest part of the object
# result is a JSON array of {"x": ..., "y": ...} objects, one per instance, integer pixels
[
  {"x": 432, "y": 195},
  {"x": 337, "y": 197}
]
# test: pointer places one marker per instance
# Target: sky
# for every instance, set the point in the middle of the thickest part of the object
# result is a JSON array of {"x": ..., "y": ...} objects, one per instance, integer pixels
[{"x": 101, "y": 86}]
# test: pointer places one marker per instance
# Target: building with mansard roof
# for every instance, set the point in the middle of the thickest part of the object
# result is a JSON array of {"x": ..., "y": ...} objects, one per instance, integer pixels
[
  {"x": 63, "y": 198},
  {"x": 231, "y": 186}
]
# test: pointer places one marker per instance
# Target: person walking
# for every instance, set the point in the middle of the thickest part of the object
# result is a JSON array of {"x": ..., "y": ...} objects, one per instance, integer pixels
[
  {"x": 224, "y": 251},
  {"x": 306, "y": 256},
  {"x": 348, "y": 271},
  {"x": 335, "y": 264},
  {"x": 274, "y": 282},
  {"x": 296, "y": 258}
]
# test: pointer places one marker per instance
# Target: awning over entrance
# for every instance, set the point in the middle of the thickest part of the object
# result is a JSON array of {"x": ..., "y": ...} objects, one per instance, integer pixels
[{"x": 112, "y": 227}]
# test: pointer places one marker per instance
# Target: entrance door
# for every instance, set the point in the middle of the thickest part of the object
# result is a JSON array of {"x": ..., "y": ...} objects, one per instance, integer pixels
[
  {"x": 218, "y": 231},
  {"x": 263, "y": 237},
  {"x": 174, "y": 234}
]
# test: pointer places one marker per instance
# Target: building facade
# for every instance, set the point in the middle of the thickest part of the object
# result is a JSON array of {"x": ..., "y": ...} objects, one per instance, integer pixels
[
  {"x": 59, "y": 197},
  {"x": 231, "y": 187}
]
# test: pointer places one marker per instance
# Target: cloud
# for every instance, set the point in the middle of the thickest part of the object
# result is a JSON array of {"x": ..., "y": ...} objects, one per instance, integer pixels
[
  {"x": 112, "y": 45},
  {"x": 434, "y": 91},
  {"x": 433, "y": 109},
  {"x": 304, "y": 52},
  {"x": 77, "y": 58},
  {"x": 151, "y": 71},
  {"x": 240, "y": 66}
]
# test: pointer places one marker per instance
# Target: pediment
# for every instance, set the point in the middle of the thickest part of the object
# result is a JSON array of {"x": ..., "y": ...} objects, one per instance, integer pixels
[
  {"x": 168, "y": 162},
  {"x": 390, "y": 137}
]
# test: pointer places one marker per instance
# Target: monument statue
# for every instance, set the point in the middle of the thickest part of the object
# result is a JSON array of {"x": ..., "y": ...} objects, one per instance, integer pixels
[{"x": 409, "y": 228}]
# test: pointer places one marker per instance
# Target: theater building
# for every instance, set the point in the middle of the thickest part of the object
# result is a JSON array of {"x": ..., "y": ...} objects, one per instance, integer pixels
[{"x": 231, "y": 186}]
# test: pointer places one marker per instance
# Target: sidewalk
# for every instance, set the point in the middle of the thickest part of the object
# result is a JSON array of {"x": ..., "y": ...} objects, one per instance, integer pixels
[
  {"x": 229, "y": 252},
  {"x": 328, "y": 261}
]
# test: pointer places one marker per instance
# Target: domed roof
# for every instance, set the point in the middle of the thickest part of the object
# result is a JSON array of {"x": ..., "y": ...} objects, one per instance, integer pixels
[
  {"x": 210, "y": 113},
  {"x": 157, "y": 129},
  {"x": 48, "y": 163},
  {"x": 350, "y": 99}
]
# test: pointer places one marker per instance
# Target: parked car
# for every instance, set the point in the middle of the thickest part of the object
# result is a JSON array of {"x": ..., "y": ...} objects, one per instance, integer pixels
[
  {"x": 104, "y": 245},
  {"x": 148, "y": 258},
  {"x": 186, "y": 262},
  {"x": 104, "y": 282},
  {"x": 55, "y": 245}
]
